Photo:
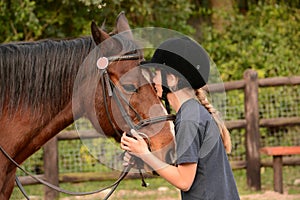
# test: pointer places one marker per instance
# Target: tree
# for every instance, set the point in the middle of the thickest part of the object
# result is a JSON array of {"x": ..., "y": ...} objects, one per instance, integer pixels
[
  {"x": 266, "y": 38},
  {"x": 263, "y": 35},
  {"x": 32, "y": 20},
  {"x": 225, "y": 6}
]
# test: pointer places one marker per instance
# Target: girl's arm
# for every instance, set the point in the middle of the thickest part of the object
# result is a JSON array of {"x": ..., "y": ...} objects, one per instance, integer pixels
[{"x": 181, "y": 176}]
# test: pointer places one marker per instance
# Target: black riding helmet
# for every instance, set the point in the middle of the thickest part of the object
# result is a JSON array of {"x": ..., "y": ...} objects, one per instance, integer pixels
[{"x": 184, "y": 57}]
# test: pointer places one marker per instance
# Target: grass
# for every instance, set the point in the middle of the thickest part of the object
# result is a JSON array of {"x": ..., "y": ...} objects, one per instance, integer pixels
[{"x": 132, "y": 189}]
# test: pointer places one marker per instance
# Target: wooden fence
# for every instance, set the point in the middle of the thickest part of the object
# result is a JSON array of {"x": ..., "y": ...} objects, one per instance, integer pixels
[{"x": 250, "y": 84}]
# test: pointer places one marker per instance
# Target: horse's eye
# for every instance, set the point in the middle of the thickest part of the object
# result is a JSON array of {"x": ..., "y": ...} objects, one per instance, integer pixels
[{"x": 129, "y": 88}]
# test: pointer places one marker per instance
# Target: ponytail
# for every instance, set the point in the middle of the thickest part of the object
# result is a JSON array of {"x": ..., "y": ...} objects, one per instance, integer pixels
[{"x": 201, "y": 96}]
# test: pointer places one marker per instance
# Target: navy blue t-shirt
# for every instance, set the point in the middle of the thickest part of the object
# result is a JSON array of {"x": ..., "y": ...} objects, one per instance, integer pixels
[{"x": 198, "y": 141}]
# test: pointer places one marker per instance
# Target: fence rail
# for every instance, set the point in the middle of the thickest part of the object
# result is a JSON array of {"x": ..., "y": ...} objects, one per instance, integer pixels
[{"x": 251, "y": 124}]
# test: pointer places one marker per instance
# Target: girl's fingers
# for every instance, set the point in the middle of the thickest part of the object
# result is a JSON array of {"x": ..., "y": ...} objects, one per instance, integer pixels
[
  {"x": 125, "y": 147},
  {"x": 136, "y": 134},
  {"x": 125, "y": 140},
  {"x": 135, "y": 144}
]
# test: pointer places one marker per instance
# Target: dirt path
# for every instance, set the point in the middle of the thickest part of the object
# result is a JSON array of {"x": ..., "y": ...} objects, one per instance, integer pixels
[{"x": 268, "y": 195}]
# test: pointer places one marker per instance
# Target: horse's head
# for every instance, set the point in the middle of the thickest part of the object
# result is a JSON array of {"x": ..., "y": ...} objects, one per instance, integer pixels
[{"x": 133, "y": 99}]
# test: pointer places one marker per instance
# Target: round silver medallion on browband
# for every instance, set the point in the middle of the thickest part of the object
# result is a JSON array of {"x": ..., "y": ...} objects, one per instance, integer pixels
[{"x": 103, "y": 62}]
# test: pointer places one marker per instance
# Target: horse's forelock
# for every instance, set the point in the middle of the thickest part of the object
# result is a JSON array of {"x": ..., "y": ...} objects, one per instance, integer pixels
[{"x": 117, "y": 44}]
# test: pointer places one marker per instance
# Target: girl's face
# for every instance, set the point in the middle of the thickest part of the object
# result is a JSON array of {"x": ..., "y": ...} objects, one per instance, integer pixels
[{"x": 157, "y": 83}]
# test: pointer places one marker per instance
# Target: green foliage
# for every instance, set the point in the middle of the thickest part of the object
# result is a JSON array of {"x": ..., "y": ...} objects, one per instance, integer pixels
[
  {"x": 33, "y": 20},
  {"x": 17, "y": 20},
  {"x": 266, "y": 39}
]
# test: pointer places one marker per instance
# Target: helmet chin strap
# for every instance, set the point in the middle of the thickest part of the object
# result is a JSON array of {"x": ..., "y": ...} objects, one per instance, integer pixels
[{"x": 165, "y": 90}]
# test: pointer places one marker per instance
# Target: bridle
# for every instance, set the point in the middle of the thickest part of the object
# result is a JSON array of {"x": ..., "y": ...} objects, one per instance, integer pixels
[
  {"x": 118, "y": 97},
  {"x": 107, "y": 92}
]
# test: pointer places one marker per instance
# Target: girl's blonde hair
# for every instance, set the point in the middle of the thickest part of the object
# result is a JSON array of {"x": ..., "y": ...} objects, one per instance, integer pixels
[{"x": 201, "y": 96}]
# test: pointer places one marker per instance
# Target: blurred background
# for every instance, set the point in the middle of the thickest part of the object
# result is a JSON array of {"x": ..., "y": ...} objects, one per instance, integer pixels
[
  {"x": 238, "y": 34},
  {"x": 263, "y": 35}
]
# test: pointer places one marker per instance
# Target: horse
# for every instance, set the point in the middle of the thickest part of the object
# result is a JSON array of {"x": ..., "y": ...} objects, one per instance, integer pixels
[{"x": 46, "y": 85}]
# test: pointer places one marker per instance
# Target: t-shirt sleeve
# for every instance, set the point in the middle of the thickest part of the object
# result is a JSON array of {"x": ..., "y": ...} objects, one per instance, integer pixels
[{"x": 188, "y": 141}]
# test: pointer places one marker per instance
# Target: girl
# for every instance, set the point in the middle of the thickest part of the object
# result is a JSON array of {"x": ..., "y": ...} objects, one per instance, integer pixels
[{"x": 202, "y": 169}]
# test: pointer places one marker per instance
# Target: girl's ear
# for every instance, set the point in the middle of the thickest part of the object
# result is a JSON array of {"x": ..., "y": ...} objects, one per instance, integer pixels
[{"x": 172, "y": 81}]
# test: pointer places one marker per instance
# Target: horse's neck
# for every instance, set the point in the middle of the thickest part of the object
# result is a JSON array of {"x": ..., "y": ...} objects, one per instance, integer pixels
[
  {"x": 40, "y": 75},
  {"x": 44, "y": 105}
]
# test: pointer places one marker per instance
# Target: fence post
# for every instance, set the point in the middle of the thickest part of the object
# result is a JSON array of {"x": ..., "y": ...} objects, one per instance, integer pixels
[
  {"x": 252, "y": 129},
  {"x": 51, "y": 168}
]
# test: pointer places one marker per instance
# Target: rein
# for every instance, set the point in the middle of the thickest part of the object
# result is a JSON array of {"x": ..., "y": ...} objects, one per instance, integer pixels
[
  {"x": 102, "y": 64},
  {"x": 54, "y": 187}
]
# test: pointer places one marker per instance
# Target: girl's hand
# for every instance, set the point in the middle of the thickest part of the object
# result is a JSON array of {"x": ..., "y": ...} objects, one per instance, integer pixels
[{"x": 136, "y": 146}]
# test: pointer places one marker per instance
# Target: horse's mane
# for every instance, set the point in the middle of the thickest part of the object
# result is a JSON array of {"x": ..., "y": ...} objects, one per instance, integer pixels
[{"x": 40, "y": 74}]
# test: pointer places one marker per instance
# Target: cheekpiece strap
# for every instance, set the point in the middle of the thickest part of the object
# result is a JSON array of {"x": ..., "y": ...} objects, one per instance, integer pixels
[
  {"x": 102, "y": 64},
  {"x": 166, "y": 90}
]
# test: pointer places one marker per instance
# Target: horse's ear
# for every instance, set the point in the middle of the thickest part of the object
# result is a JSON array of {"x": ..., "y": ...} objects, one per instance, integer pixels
[
  {"x": 98, "y": 35},
  {"x": 123, "y": 26}
]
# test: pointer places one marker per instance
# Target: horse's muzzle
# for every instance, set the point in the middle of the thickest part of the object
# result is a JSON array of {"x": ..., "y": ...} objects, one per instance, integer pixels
[{"x": 171, "y": 157}]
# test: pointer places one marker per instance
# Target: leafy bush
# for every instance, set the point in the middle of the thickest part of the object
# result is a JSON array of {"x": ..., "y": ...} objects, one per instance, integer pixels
[
  {"x": 265, "y": 39},
  {"x": 33, "y": 20}
]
